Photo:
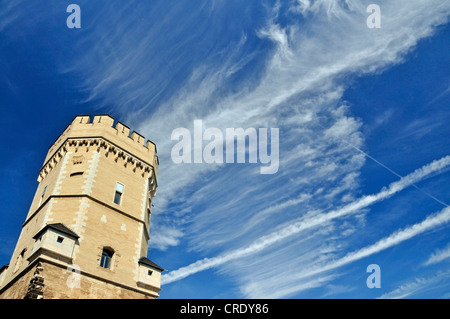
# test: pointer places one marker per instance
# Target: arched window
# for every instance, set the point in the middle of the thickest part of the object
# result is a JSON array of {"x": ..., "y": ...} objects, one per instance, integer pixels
[{"x": 107, "y": 255}]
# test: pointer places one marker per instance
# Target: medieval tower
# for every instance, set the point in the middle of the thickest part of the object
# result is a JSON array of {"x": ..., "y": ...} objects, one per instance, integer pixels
[{"x": 87, "y": 231}]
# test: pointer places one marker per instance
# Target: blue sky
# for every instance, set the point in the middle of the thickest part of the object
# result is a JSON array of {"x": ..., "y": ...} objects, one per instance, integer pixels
[{"x": 364, "y": 137}]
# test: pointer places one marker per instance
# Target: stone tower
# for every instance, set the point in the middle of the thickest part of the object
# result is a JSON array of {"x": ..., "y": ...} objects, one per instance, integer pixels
[{"x": 86, "y": 233}]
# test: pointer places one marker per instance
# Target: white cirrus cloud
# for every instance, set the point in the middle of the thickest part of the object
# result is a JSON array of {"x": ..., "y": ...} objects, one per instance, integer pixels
[
  {"x": 439, "y": 256},
  {"x": 295, "y": 227},
  {"x": 420, "y": 285}
]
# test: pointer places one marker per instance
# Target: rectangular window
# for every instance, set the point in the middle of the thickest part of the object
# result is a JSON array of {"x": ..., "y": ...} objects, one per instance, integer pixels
[
  {"x": 118, "y": 194},
  {"x": 105, "y": 261},
  {"x": 60, "y": 239},
  {"x": 42, "y": 196}
]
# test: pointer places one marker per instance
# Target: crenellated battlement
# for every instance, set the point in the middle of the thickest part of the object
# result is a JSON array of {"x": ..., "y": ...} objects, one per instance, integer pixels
[
  {"x": 106, "y": 120},
  {"x": 105, "y": 126},
  {"x": 102, "y": 131}
]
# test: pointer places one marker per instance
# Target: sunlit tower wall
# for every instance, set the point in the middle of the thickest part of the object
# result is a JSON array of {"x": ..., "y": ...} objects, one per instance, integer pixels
[{"x": 87, "y": 231}]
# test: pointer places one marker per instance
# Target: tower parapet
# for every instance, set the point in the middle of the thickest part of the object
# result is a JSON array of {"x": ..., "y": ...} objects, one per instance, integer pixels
[
  {"x": 103, "y": 125},
  {"x": 102, "y": 132}
]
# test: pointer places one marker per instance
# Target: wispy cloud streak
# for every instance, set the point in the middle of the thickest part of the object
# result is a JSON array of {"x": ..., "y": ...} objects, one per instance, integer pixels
[
  {"x": 419, "y": 285},
  {"x": 303, "y": 224},
  {"x": 439, "y": 256},
  {"x": 301, "y": 87},
  {"x": 396, "y": 238}
]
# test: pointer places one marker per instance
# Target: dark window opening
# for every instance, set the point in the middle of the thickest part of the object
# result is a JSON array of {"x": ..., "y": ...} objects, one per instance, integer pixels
[
  {"x": 105, "y": 261},
  {"x": 117, "y": 197},
  {"x": 42, "y": 196},
  {"x": 76, "y": 174},
  {"x": 118, "y": 194}
]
